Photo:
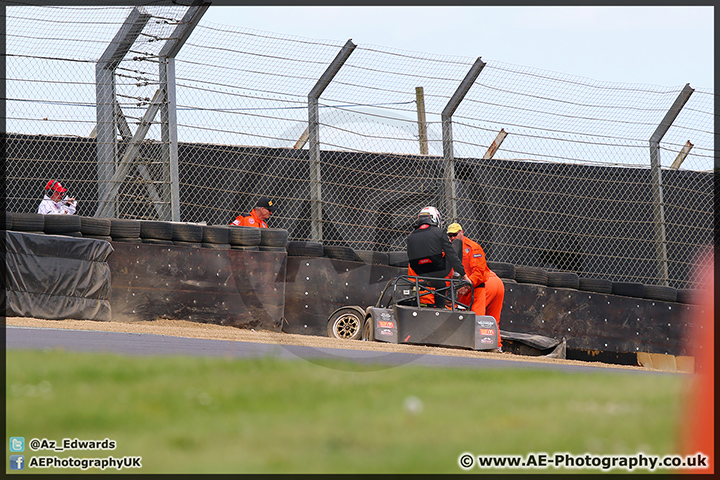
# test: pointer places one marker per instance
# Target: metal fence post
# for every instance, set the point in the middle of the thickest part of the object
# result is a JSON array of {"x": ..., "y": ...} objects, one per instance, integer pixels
[
  {"x": 105, "y": 97},
  {"x": 656, "y": 180},
  {"x": 168, "y": 110},
  {"x": 448, "y": 154},
  {"x": 314, "y": 139}
]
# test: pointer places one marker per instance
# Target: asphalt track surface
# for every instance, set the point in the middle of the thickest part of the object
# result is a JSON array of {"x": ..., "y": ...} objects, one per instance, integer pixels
[{"x": 29, "y": 338}]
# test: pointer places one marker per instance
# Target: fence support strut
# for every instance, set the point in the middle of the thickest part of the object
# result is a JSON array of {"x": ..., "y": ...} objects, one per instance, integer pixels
[
  {"x": 656, "y": 180},
  {"x": 107, "y": 201},
  {"x": 684, "y": 152},
  {"x": 422, "y": 123},
  {"x": 495, "y": 145},
  {"x": 110, "y": 118}
]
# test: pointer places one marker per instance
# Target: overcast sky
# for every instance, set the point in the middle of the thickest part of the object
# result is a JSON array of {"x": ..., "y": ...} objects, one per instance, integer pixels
[{"x": 657, "y": 45}]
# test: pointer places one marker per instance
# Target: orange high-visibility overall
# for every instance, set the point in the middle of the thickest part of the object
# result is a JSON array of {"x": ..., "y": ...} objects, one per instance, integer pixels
[
  {"x": 251, "y": 220},
  {"x": 488, "y": 299},
  {"x": 428, "y": 298}
]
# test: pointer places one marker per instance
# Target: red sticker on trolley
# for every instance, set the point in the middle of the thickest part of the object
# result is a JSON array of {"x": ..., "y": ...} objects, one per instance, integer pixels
[
  {"x": 384, "y": 324},
  {"x": 486, "y": 331}
]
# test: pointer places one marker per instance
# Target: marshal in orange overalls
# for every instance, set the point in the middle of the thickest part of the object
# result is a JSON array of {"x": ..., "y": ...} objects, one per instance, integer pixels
[
  {"x": 489, "y": 290},
  {"x": 251, "y": 220}
]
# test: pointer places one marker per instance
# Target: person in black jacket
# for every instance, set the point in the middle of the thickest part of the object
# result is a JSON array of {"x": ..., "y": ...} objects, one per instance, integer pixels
[{"x": 431, "y": 254}]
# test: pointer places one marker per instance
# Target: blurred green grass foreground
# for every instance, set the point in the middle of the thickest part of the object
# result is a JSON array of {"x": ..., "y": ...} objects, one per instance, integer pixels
[{"x": 268, "y": 415}]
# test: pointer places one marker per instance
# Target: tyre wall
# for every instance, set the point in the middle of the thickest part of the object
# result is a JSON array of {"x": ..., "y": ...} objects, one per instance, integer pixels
[
  {"x": 596, "y": 326},
  {"x": 316, "y": 286},
  {"x": 240, "y": 288},
  {"x": 294, "y": 289}
]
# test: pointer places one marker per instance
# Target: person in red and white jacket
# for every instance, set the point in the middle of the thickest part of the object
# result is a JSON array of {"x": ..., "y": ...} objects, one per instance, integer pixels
[
  {"x": 55, "y": 202},
  {"x": 258, "y": 215}
]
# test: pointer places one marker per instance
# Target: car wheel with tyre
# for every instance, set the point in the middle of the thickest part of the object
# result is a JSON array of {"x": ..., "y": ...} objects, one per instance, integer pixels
[
  {"x": 368, "y": 331},
  {"x": 346, "y": 323}
]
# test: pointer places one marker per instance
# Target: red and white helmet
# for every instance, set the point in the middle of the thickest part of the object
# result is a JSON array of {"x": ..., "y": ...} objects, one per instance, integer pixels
[{"x": 431, "y": 214}]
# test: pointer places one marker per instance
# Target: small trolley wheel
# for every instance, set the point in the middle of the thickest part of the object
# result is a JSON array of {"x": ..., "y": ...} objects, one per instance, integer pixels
[
  {"x": 368, "y": 331},
  {"x": 346, "y": 323}
]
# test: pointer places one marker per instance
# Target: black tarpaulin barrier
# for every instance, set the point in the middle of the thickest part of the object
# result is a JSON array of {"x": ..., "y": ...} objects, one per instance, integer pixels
[{"x": 56, "y": 277}]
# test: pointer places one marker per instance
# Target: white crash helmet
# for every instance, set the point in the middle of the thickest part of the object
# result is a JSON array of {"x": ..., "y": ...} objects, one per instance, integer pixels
[{"x": 431, "y": 214}]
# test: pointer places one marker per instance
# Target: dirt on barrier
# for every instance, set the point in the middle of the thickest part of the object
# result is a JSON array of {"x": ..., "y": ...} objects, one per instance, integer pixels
[{"x": 187, "y": 329}]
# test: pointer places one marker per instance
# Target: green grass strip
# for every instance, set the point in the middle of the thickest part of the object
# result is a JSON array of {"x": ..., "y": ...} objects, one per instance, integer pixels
[{"x": 223, "y": 415}]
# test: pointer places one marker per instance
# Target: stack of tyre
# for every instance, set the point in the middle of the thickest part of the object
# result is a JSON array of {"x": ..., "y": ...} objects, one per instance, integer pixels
[
  {"x": 371, "y": 257},
  {"x": 225, "y": 237},
  {"x": 540, "y": 276},
  {"x": 256, "y": 239},
  {"x": 273, "y": 240},
  {"x": 97, "y": 228},
  {"x": 298, "y": 248},
  {"x": 156, "y": 232},
  {"x": 68, "y": 225},
  {"x": 125, "y": 230},
  {"x": 215, "y": 237},
  {"x": 187, "y": 234},
  {"x": 25, "y": 222},
  {"x": 506, "y": 271}
]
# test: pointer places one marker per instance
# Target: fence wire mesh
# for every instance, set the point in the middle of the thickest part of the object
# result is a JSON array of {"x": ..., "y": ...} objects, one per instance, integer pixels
[{"x": 551, "y": 170}]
